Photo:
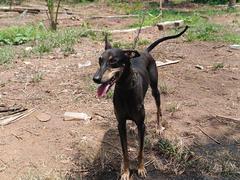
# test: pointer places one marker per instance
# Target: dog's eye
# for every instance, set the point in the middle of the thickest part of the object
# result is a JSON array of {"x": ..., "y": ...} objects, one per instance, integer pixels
[{"x": 112, "y": 61}]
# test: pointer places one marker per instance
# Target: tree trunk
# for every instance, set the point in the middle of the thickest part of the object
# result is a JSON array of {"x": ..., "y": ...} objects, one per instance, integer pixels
[{"x": 231, "y": 3}]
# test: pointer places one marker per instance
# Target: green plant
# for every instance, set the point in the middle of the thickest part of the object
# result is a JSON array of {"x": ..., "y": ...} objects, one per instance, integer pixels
[
  {"x": 172, "y": 108},
  {"x": 110, "y": 94},
  {"x": 176, "y": 155},
  {"x": 217, "y": 66},
  {"x": 163, "y": 88},
  {"x": 211, "y": 1},
  {"x": 37, "y": 77},
  {"x": 143, "y": 42},
  {"x": 20, "y": 35},
  {"x": 6, "y": 54},
  {"x": 124, "y": 45}
]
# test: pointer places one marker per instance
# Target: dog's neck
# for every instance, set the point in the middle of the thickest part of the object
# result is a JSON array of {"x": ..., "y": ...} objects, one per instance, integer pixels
[{"x": 127, "y": 79}]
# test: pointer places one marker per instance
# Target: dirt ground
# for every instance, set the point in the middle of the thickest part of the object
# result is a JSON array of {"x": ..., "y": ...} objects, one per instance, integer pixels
[{"x": 57, "y": 149}]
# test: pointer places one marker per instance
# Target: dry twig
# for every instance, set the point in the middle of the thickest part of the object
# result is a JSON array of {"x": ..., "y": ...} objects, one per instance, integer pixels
[{"x": 216, "y": 141}]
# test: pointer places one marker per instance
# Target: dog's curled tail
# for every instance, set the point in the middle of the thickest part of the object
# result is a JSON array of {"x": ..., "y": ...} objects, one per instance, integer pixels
[{"x": 154, "y": 44}]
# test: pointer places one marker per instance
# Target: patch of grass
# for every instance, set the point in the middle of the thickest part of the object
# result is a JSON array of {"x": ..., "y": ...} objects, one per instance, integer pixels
[
  {"x": 172, "y": 108},
  {"x": 212, "y": 2},
  {"x": 143, "y": 42},
  {"x": 177, "y": 156},
  {"x": 37, "y": 77},
  {"x": 200, "y": 28},
  {"x": 110, "y": 94},
  {"x": 41, "y": 40},
  {"x": 126, "y": 7},
  {"x": 217, "y": 66},
  {"x": 204, "y": 32},
  {"x": 35, "y": 174},
  {"x": 19, "y": 35},
  {"x": 164, "y": 88},
  {"x": 124, "y": 45},
  {"x": 6, "y": 54}
]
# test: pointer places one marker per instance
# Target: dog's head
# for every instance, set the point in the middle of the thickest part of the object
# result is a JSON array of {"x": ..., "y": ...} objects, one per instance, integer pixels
[{"x": 112, "y": 63}]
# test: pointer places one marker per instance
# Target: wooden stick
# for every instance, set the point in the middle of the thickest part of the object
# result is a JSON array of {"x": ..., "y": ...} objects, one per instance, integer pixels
[
  {"x": 170, "y": 24},
  {"x": 112, "y": 17},
  {"x": 12, "y": 118},
  {"x": 136, "y": 39},
  {"x": 237, "y": 120},
  {"x": 168, "y": 62},
  {"x": 121, "y": 30},
  {"x": 20, "y": 10},
  {"x": 216, "y": 141}
]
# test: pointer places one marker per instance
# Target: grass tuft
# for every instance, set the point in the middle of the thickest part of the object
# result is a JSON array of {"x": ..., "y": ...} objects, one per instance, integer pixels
[
  {"x": 6, "y": 54},
  {"x": 217, "y": 66}
]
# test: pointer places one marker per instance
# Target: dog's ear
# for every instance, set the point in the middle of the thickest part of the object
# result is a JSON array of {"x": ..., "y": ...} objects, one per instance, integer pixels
[
  {"x": 131, "y": 53},
  {"x": 107, "y": 43}
]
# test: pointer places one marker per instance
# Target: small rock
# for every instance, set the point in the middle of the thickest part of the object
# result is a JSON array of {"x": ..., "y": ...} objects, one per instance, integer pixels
[
  {"x": 69, "y": 116},
  {"x": 27, "y": 62},
  {"x": 64, "y": 91},
  {"x": 87, "y": 63},
  {"x": 235, "y": 46},
  {"x": 28, "y": 49},
  {"x": 43, "y": 117}
]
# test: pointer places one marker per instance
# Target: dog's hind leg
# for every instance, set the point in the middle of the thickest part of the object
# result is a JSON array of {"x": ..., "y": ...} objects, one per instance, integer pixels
[{"x": 153, "y": 75}]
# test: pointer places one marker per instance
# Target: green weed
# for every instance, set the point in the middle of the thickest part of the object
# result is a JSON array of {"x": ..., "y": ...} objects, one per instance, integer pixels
[
  {"x": 110, "y": 94},
  {"x": 20, "y": 35},
  {"x": 217, "y": 66},
  {"x": 123, "y": 45},
  {"x": 6, "y": 54},
  {"x": 172, "y": 108},
  {"x": 37, "y": 77},
  {"x": 164, "y": 88}
]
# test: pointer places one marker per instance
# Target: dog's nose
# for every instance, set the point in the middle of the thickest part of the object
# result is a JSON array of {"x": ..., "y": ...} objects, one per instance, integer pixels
[{"x": 97, "y": 79}]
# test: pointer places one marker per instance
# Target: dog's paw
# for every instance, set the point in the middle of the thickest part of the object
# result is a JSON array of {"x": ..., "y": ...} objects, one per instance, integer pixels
[
  {"x": 160, "y": 130},
  {"x": 132, "y": 130},
  {"x": 126, "y": 175},
  {"x": 142, "y": 172}
]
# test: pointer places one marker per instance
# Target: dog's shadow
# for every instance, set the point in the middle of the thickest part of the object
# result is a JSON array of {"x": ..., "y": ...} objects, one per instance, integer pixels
[{"x": 107, "y": 162}]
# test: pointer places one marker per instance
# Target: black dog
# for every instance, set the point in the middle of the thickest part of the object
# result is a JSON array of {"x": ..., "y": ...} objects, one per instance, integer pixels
[{"x": 132, "y": 72}]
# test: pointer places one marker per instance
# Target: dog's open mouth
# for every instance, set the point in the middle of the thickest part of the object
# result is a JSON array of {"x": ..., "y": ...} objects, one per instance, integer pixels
[{"x": 105, "y": 87}]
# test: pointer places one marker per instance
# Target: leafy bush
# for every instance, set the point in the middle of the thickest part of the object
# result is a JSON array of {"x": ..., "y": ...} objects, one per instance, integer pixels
[
  {"x": 211, "y": 1},
  {"x": 20, "y": 35}
]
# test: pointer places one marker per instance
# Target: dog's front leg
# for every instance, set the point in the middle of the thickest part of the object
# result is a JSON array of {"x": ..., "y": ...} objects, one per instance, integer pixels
[
  {"x": 141, "y": 131},
  {"x": 125, "y": 174}
]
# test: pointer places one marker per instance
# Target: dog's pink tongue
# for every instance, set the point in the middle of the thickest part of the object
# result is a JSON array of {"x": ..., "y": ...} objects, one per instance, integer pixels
[{"x": 102, "y": 90}]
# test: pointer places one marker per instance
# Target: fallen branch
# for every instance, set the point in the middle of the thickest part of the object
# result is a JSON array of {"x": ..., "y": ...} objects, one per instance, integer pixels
[
  {"x": 216, "y": 141},
  {"x": 237, "y": 120},
  {"x": 12, "y": 118},
  {"x": 121, "y": 30},
  {"x": 112, "y": 17},
  {"x": 168, "y": 62},
  {"x": 170, "y": 24},
  {"x": 10, "y": 109},
  {"x": 20, "y": 10}
]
